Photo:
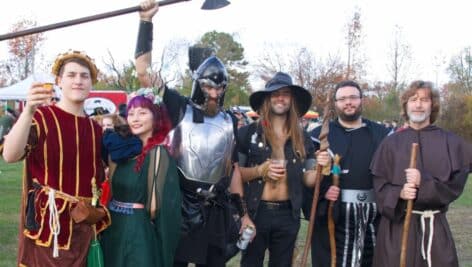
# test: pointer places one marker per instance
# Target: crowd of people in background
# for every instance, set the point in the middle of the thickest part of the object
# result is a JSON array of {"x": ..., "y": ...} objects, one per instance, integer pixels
[
  {"x": 7, "y": 119},
  {"x": 184, "y": 180}
]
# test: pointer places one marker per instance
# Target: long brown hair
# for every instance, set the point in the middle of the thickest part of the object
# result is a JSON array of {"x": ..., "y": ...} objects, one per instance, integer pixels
[
  {"x": 411, "y": 91},
  {"x": 292, "y": 127}
]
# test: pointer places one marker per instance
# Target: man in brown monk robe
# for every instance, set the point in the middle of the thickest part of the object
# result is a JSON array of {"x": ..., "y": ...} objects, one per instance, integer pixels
[{"x": 444, "y": 161}]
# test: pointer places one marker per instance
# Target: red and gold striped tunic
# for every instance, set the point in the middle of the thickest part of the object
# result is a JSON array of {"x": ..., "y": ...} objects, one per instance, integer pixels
[{"x": 64, "y": 153}]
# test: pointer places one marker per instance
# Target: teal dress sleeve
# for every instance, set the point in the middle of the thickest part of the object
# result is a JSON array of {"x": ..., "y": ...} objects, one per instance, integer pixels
[{"x": 168, "y": 217}]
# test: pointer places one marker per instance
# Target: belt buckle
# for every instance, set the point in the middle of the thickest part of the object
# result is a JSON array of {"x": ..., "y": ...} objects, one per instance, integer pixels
[
  {"x": 272, "y": 205},
  {"x": 362, "y": 197}
]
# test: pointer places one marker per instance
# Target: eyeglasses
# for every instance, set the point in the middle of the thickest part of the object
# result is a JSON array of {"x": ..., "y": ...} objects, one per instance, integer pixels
[{"x": 349, "y": 97}]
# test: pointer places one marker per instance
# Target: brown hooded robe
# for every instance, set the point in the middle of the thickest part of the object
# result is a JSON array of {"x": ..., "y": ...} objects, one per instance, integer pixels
[{"x": 444, "y": 161}]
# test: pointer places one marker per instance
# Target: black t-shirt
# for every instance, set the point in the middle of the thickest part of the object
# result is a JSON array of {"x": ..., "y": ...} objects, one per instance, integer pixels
[
  {"x": 356, "y": 148},
  {"x": 356, "y": 160}
]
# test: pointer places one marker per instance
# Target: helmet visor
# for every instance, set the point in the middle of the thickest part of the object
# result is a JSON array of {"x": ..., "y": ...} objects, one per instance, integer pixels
[{"x": 205, "y": 82}]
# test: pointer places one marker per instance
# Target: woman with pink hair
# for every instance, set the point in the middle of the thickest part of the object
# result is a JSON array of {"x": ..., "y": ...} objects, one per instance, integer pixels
[{"x": 145, "y": 203}]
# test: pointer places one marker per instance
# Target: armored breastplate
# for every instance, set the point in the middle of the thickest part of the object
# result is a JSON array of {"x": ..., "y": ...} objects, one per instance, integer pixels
[{"x": 203, "y": 150}]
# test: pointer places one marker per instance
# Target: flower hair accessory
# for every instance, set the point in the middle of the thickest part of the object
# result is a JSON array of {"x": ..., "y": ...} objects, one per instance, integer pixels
[{"x": 149, "y": 93}]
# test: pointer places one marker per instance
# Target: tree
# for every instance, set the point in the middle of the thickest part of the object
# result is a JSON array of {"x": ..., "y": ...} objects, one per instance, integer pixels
[
  {"x": 439, "y": 60},
  {"x": 121, "y": 78},
  {"x": 164, "y": 70},
  {"x": 460, "y": 71},
  {"x": 186, "y": 86},
  {"x": 238, "y": 88},
  {"x": 400, "y": 58},
  {"x": 273, "y": 59},
  {"x": 226, "y": 48},
  {"x": 456, "y": 115},
  {"x": 355, "y": 59},
  {"x": 316, "y": 75},
  {"x": 23, "y": 50},
  {"x": 372, "y": 109},
  {"x": 467, "y": 119},
  {"x": 391, "y": 105},
  {"x": 231, "y": 54}
]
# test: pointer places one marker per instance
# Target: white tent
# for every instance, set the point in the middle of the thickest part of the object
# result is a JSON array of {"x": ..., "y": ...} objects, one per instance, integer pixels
[
  {"x": 16, "y": 91},
  {"x": 19, "y": 90}
]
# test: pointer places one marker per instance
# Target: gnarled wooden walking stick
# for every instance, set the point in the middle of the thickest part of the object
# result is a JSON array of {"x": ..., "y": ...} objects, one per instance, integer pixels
[
  {"x": 409, "y": 209},
  {"x": 324, "y": 145},
  {"x": 332, "y": 238}
]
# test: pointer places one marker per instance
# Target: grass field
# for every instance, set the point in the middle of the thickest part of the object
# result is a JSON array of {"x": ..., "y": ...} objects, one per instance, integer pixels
[
  {"x": 10, "y": 190},
  {"x": 459, "y": 216}
]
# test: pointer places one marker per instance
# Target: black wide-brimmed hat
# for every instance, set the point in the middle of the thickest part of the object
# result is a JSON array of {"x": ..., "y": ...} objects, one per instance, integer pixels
[{"x": 281, "y": 80}]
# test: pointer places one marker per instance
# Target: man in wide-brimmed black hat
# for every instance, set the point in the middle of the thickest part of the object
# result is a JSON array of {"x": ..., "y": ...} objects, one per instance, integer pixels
[
  {"x": 274, "y": 152},
  {"x": 282, "y": 80}
]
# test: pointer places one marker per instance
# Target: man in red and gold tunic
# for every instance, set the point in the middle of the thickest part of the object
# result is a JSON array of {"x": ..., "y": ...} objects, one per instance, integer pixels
[{"x": 60, "y": 146}]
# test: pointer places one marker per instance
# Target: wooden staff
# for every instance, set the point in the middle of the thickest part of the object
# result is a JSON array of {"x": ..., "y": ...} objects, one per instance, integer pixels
[
  {"x": 324, "y": 145},
  {"x": 332, "y": 237},
  {"x": 409, "y": 209},
  {"x": 314, "y": 205}
]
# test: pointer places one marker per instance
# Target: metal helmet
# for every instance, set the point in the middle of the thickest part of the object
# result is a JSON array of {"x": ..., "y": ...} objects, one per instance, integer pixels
[{"x": 211, "y": 72}]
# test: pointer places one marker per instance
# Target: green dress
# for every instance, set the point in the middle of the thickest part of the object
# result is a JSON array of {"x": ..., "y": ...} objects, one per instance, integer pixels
[{"x": 134, "y": 239}]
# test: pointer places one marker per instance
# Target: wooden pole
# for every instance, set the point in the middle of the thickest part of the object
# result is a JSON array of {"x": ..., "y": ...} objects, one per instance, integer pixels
[
  {"x": 331, "y": 226},
  {"x": 314, "y": 205},
  {"x": 409, "y": 209},
  {"x": 324, "y": 145}
]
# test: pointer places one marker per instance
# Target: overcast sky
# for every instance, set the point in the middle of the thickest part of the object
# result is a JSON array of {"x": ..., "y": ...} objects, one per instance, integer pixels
[{"x": 433, "y": 29}]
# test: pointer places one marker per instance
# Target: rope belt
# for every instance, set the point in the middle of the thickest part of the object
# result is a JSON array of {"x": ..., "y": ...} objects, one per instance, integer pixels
[
  {"x": 60, "y": 194},
  {"x": 427, "y": 214},
  {"x": 54, "y": 223}
]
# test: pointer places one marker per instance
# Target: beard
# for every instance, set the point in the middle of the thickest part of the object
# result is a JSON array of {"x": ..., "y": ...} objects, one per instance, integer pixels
[
  {"x": 418, "y": 118},
  {"x": 280, "y": 111},
  {"x": 211, "y": 108},
  {"x": 350, "y": 117}
]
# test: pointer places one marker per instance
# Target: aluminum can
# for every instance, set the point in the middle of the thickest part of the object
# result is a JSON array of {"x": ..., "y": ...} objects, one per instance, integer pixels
[{"x": 245, "y": 237}]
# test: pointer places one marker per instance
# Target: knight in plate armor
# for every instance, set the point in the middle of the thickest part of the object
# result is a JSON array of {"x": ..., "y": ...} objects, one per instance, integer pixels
[{"x": 202, "y": 142}]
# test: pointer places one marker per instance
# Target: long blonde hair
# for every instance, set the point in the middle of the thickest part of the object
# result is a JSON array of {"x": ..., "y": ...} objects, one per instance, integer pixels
[{"x": 292, "y": 127}]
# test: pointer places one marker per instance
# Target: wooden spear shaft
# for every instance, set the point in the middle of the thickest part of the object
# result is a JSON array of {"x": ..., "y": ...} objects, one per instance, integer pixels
[
  {"x": 81, "y": 20},
  {"x": 409, "y": 209}
]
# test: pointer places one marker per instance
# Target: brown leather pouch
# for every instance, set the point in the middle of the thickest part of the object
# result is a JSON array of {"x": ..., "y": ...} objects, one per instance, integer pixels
[{"x": 84, "y": 212}]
